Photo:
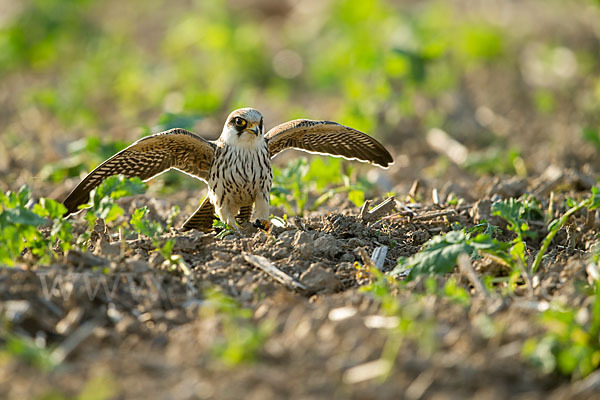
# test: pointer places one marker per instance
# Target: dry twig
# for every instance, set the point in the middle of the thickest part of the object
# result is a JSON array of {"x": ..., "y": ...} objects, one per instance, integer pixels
[
  {"x": 277, "y": 274},
  {"x": 381, "y": 210},
  {"x": 465, "y": 266}
]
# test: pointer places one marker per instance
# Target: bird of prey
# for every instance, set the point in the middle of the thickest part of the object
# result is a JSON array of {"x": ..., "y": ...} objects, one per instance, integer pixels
[{"x": 236, "y": 167}]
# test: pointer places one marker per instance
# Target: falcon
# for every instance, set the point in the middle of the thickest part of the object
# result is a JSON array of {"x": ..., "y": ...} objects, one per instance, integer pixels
[{"x": 236, "y": 167}]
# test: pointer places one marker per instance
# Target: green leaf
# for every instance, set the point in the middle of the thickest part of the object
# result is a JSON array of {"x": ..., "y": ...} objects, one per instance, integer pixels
[
  {"x": 142, "y": 225},
  {"x": 137, "y": 222},
  {"x": 49, "y": 208},
  {"x": 120, "y": 186},
  {"x": 591, "y": 135},
  {"x": 357, "y": 197},
  {"x": 324, "y": 172},
  {"x": 484, "y": 241},
  {"x": 595, "y": 199},
  {"x": 21, "y": 216},
  {"x": 438, "y": 255},
  {"x": 166, "y": 249},
  {"x": 111, "y": 212}
]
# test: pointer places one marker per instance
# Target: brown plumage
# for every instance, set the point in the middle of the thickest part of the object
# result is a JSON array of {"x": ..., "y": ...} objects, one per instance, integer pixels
[
  {"x": 329, "y": 138},
  {"x": 237, "y": 166},
  {"x": 146, "y": 158}
]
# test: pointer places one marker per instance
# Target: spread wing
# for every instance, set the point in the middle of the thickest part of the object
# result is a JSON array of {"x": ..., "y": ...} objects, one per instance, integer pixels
[
  {"x": 146, "y": 158},
  {"x": 326, "y": 137}
]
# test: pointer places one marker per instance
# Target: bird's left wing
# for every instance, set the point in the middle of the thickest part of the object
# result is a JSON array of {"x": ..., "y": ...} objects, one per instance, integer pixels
[
  {"x": 146, "y": 158},
  {"x": 326, "y": 137}
]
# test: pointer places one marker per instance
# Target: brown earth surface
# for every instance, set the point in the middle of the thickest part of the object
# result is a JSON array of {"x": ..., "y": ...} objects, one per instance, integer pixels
[
  {"x": 122, "y": 323},
  {"x": 122, "y": 318}
]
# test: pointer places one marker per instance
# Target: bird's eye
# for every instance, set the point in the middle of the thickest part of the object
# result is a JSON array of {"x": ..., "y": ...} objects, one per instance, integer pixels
[{"x": 239, "y": 122}]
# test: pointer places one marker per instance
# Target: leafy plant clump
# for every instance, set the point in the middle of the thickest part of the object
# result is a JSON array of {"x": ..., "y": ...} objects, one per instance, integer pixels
[
  {"x": 293, "y": 184},
  {"x": 242, "y": 337},
  {"x": 571, "y": 344},
  {"x": 406, "y": 319},
  {"x": 27, "y": 350},
  {"x": 20, "y": 227},
  {"x": 142, "y": 225},
  {"x": 439, "y": 254},
  {"x": 102, "y": 201}
]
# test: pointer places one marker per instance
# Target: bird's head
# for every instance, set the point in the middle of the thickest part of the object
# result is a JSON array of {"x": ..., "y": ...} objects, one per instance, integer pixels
[{"x": 244, "y": 128}]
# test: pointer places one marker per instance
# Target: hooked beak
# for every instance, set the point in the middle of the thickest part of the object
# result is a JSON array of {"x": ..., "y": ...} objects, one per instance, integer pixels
[{"x": 254, "y": 130}]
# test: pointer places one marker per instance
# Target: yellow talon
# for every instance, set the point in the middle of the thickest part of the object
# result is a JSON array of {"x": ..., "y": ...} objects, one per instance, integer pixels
[{"x": 264, "y": 224}]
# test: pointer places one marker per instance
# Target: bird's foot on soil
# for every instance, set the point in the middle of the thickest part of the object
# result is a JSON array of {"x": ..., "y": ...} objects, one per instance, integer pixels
[{"x": 264, "y": 224}]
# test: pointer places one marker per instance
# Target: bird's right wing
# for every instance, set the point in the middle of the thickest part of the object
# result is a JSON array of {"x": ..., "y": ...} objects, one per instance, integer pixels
[
  {"x": 327, "y": 137},
  {"x": 146, "y": 158}
]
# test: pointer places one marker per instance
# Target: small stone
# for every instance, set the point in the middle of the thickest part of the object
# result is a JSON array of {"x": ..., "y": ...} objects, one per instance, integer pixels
[
  {"x": 217, "y": 264},
  {"x": 239, "y": 260},
  {"x": 302, "y": 237},
  {"x": 70, "y": 321},
  {"x": 513, "y": 187},
  {"x": 300, "y": 266},
  {"x": 280, "y": 253},
  {"x": 420, "y": 236},
  {"x": 84, "y": 259},
  {"x": 126, "y": 325},
  {"x": 482, "y": 210},
  {"x": 260, "y": 237},
  {"x": 326, "y": 245},
  {"x": 155, "y": 259},
  {"x": 137, "y": 265},
  {"x": 354, "y": 243},
  {"x": 221, "y": 255},
  {"x": 287, "y": 237},
  {"x": 348, "y": 257},
  {"x": 318, "y": 279},
  {"x": 15, "y": 310},
  {"x": 106, "y": 249},
  {"x": 186, "y": 244},
  {"x": 304, "y": 244}
]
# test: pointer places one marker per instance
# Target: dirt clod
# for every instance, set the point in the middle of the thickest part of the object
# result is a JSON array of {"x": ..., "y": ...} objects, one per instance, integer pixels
[
  {"x": 326, "y": 245},
  {"x": 319, "y": 279}
]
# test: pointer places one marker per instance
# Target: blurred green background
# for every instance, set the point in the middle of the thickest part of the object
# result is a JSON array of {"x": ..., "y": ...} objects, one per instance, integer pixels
[{"x": 517, "y": 83}]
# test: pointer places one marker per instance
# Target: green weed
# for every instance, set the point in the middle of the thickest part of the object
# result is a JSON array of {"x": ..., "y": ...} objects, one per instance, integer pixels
[
  {"x": 20, "y": 227},
  {"x": 293, "y": 184},
  {"x": 242, "y": 338},
  {"x": 439, "y": 254},
  {"x": 26, "y": 350},
  {"x": 592, "y": 136},
  {"x": 413, "y": 323},
  {"x": 516, "y": 212},
  {"x": 591, "y": 203},
  {"x": 451, "y": 290},
  {"x": 102, "y": 201},
  {"x": 495, "y": 161},
  {"x": 571, "y": 343},
  {"x": 154, "y": 230},
  {"x": 224, "y": 229}
]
